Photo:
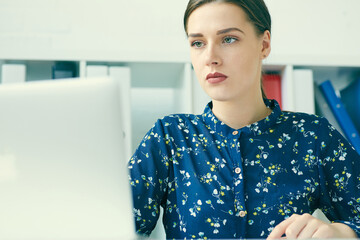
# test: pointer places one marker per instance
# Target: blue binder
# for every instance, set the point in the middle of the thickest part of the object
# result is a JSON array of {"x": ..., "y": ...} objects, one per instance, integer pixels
[
  {"x": 341, "y": 114},
  {"x": 62, "y": 70},
  {"x": 350, "y": 96}
]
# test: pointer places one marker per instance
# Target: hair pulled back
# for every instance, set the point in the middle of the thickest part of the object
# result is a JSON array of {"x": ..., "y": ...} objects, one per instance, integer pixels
[{"x": 256, "y": 11}]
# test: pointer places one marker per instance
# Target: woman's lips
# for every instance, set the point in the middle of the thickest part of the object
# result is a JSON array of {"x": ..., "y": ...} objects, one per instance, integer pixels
[{"x": 215, "y": 77}]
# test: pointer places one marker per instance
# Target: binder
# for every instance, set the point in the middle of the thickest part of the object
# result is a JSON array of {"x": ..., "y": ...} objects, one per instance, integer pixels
[
  {"x": 272, "y": 87},
  {"x": 351, "y": 99},
  {"x": 62, "y": 70},
  {"x": 323, "y": 109},
  {"x": 13, "y": 73},
  {"x": 304, "y": 87},
  {"x": 97, "y": 70},
  {"x": 341, "y": 114},
  {"x": 287, "y": 89}
]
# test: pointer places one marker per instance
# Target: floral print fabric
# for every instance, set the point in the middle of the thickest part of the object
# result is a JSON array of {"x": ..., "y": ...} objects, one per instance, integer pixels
[{"x": 217, "y": 182}]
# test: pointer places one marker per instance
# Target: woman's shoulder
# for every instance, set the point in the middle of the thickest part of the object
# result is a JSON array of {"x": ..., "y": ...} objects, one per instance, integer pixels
[
  {"x": 308, "y": 128},
  {"x": 177, "y": 121},
  {"x": 301, "y": 116},
  {"x": 179, "y": 117},
  {"x": 313, "y": 121}
]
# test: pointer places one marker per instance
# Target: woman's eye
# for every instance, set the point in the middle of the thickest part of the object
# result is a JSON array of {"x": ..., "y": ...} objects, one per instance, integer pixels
[
  {"x": 197, "y": 44},
  {"x": 229, "y": 40}
]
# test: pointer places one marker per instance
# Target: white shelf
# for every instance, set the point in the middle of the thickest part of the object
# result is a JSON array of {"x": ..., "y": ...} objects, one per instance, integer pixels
[
  {"x": 180, "y": 56},
  {"x": 314, "y": 60}
]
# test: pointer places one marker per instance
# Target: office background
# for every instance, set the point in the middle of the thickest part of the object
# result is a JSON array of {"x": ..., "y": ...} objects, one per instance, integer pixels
[{"x": 148, "y": 37}]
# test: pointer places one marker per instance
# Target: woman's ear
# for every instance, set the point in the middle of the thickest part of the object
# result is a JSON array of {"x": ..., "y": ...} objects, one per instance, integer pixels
[{"x": 266, "y": 44}]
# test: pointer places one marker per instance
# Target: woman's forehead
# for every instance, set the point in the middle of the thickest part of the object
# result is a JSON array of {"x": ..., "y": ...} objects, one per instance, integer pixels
[{"x": 216, "y": 16}]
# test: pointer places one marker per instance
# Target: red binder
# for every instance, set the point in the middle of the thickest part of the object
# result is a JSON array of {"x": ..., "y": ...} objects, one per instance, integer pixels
[{"x": 272, "y": 87}]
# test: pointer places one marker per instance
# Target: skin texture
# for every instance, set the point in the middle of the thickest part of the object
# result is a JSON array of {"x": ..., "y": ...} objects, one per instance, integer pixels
[
  {"x": 306, "y": 226},
  {"x": 222, "y": 40}
]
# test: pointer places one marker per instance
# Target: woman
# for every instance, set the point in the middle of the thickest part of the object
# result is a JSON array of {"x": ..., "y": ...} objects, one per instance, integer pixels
[{"x": 244, "y": 168}]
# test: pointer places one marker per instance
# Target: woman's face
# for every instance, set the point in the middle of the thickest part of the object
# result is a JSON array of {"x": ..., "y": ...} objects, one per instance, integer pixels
[{"x": 226, "y": 51}]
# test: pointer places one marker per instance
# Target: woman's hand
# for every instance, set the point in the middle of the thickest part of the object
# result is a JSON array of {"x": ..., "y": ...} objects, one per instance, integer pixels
[{"x": 307, "y": 226}]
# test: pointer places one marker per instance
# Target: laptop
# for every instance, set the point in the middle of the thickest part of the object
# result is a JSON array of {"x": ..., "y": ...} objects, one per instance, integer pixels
[{"x": 63, "y": 173}]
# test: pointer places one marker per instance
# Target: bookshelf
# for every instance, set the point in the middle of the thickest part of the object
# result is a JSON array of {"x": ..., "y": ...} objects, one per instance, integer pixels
[{"x": 162, "y": 88}]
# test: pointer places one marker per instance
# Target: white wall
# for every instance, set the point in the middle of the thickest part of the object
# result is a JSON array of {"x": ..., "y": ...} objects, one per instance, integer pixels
[
  {"x": 92, "y": 29},
  {"x": 312, "y": 28},
  {"x": 125, "y": 30}
]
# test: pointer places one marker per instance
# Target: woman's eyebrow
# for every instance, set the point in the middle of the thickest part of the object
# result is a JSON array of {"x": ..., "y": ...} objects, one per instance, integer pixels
[
  {"x": 222, "y": 31},
  {"x": 226, "y": 30},
  {"x": 194, "y": 35}
]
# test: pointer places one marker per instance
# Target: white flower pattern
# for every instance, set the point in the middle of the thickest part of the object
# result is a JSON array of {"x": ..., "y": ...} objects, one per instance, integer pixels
[{"x": 215, "y": 182}]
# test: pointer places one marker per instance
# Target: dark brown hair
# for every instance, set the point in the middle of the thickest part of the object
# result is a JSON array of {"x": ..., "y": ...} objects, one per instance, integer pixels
[{"x": 256, "y": 11}]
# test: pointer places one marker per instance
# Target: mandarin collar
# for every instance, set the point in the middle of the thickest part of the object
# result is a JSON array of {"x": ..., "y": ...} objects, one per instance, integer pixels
[{"x": 256, "y": 128}]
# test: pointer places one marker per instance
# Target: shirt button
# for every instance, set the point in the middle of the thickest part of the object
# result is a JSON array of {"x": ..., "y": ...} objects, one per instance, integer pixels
[
  {"x": 237, "y": 170},
  {"x": 242, "y": 213},
  {"x": 235, "y": 133}
]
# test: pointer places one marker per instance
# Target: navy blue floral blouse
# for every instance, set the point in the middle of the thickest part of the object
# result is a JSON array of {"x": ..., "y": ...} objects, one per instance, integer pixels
[{"x": 217, "y": 182}]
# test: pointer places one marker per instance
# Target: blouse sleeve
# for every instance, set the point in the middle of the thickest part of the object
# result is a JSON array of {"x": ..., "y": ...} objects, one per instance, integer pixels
[
  {"x": 339, "y": 179},
  {"x": 148, "y": 170}
]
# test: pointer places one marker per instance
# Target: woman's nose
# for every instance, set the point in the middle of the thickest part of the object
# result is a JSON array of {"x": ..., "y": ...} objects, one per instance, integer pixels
[{"x": 212, "y": 56}]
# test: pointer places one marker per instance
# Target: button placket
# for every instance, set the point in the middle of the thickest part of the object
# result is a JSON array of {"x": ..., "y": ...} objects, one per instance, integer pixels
[
  {"x": 242, "y": 214},
  {"x": 238, "y": 178}
]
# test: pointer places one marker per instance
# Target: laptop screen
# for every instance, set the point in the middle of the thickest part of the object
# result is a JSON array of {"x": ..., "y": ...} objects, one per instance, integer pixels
[{"x": 63, "y": 172}]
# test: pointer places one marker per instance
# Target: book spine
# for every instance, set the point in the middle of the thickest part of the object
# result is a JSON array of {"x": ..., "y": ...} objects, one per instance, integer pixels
[
  {"x": 97, "y": 71},
  {"x": 341, "y": 114},
  {"x": 61, "y": 70},
  {"x": 13, "y": 73},
  {"x": 287, "y": 89},
  {"x": 323, "y": 109},
  {"x": 350, "y": 96},
  {"x": 304, "y": 96},
  {"x": 272, "y": 87}
]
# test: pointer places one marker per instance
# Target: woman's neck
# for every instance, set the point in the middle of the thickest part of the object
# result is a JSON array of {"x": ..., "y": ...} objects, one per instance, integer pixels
[{"x": 237, "y": 114}]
